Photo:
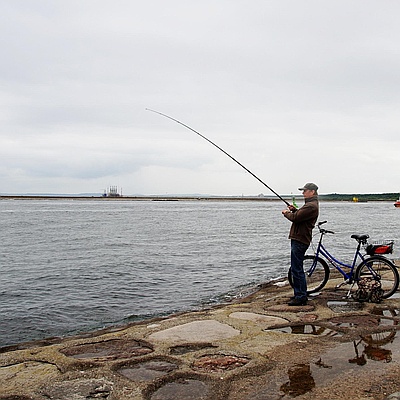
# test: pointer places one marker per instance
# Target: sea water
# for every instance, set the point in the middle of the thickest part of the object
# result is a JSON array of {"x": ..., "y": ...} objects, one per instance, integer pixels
[{"x": 68, "y": 266}]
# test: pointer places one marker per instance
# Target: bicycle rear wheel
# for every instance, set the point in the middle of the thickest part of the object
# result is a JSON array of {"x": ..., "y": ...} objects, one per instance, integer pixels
[
  {"x": 316, "y": 271},
  {"x": 384, "y": 270}
]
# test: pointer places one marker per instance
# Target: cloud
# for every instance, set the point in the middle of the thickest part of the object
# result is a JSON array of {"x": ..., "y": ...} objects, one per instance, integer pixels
[{"x": 296, "y": 91}]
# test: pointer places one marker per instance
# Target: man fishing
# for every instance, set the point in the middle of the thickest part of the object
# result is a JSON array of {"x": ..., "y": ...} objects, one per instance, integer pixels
[{"x": 303, "y": 221}]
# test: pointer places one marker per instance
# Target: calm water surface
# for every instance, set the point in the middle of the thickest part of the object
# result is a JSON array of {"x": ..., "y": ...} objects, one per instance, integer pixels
[{"x": 71, "y": 265}]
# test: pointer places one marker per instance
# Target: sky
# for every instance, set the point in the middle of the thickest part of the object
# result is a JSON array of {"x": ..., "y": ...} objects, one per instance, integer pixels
[{"x": 296, "y": 90}]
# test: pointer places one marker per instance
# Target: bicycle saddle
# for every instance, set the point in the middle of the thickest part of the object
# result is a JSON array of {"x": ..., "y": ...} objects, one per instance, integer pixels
[{"x": 360, "y": 238}]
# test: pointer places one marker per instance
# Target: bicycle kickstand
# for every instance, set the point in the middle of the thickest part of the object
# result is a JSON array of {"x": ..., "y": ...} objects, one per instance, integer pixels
[
  {"x": 346, "y": 282},
  {"x": 348, "y": 295}
]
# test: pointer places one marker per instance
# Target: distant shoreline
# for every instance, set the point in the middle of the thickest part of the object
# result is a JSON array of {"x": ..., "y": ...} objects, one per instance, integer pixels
[
  {"x": 142, "y": 198},
  {"x": 360, "y": 198}
]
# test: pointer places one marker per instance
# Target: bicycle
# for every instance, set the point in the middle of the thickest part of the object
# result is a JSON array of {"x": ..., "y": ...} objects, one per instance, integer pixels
[{"x": 373, "y": 265}]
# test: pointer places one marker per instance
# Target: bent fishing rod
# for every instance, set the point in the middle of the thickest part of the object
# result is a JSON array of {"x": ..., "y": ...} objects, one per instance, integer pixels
[{"x": 219, "y": 148}]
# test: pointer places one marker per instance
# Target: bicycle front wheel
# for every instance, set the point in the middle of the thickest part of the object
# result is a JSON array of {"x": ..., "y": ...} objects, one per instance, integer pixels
[
  {"x": 380, "y": 268},
  {"x": 316, "y": 271}
]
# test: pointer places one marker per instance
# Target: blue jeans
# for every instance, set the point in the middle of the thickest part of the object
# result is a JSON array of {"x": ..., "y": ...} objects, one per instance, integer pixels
[{"x": 298, "y": 250}]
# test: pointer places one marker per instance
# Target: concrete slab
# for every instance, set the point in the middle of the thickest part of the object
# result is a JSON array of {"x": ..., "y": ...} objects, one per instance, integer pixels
[{"x": 196, "y": 332}]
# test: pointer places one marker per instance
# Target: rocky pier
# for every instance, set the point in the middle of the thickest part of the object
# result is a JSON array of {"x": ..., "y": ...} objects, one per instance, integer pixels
[{"x": 255, "y": 348}]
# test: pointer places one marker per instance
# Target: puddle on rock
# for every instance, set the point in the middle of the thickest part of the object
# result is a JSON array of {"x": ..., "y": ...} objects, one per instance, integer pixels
[
  {"x": 307, "y": 329},
  {"x": 352, "y": 321},
  {"x": 350, "y": 357},
  {"x": 386, "y": 312},
  {"x": 182, "y": 389},
  {"x": 347, "y": 358},
  {"x": 369, "y": 321},
  {"x": 188, "y": 348},
  {"x": 109, "y": 350},
  {"x": 219, "y": 363},
  {"x": 300, "y": 380},
  {"x": 345, "y": 306},
  {"x": 353, "y": 355},
  {"x": 148, "y": 370}
]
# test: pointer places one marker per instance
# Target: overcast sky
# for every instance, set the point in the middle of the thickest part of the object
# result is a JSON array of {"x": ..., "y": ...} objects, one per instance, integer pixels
[{"x": 295, "y": 90}]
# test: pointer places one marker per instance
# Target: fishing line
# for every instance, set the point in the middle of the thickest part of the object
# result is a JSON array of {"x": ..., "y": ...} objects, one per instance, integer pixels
[{"x": 219, "y": 148}]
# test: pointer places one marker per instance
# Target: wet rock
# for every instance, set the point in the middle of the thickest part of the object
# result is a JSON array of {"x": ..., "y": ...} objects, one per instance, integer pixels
[
  {"x": 80, "y": 390},
  {"x": 189, "y": 348},
  {"x": 209, "y": 359},
  {"x": 309, "y": 317},
  {"x": 345, "y": 306},
  {"x": 183, "y": 389},
  {"x": 147, "y": 371},
  {"x": 300, "y": 380},
  {"x": 109, "y": 350},
  {"x": 308, "y": 329},
  {"x": 355, "y": 320},
  {"x": 219, "y": 362}
]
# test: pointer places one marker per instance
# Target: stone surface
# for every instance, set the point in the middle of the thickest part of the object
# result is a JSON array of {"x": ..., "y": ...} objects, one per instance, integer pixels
[
  {"x": 147, "y": 370},
  {"x": 259, "y": 318},
  {"x": 219, "y": 362},
  {"x": 394, "y": 396},
  {"x": 197, "y": 331},
  {"x": 286, "y": 308},
  {"x": 17, "y": 375},
  {"x": 183, "y": 389},
  {"x": 231, "y": 352},
  {"x": 109, "y": 350},
  {"x": 80, "y": 390}
]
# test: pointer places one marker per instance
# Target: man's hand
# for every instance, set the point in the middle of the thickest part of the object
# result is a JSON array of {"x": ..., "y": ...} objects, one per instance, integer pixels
[{"x": 290, "y": 208}]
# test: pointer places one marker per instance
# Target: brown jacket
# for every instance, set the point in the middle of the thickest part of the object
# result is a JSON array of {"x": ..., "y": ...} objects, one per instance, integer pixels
[{"x": 303, "y": 220}]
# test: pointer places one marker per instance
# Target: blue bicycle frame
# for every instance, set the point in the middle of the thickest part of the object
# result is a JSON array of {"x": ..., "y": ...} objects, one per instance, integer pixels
[{"x": 348, "y": 276}]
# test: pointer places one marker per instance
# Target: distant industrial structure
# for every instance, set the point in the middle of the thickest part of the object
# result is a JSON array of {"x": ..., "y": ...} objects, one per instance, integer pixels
[{"x": 112, "y": 191}]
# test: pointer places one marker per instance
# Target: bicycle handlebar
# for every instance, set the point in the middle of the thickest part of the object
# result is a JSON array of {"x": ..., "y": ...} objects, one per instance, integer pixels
[{"x": 324, "y": 230}]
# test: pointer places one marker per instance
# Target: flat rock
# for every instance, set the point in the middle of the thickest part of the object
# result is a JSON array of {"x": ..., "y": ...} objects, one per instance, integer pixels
[
  {"x": 80, "y": 390},
  {"x": 259, "y": 318},
  {"x": 21, "y": 373},
  {"x": 286, "y": 308},
  {"x": 196, "y": 332}
]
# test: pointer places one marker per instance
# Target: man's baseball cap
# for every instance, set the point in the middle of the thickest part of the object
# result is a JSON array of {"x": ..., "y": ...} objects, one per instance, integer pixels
[{"x": 309, "y": 186}]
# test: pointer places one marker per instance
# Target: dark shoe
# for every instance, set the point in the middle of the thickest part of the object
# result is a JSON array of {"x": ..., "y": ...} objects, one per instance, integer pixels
[{"x": 297, "y": 302}]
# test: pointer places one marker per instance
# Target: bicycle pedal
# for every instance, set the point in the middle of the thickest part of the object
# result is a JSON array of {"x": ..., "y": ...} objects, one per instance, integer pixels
[{"x": 342, "y": 284}]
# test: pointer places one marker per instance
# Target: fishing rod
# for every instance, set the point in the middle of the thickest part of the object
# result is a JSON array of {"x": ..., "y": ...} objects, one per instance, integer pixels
[{"x": 219, "y": 148}]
